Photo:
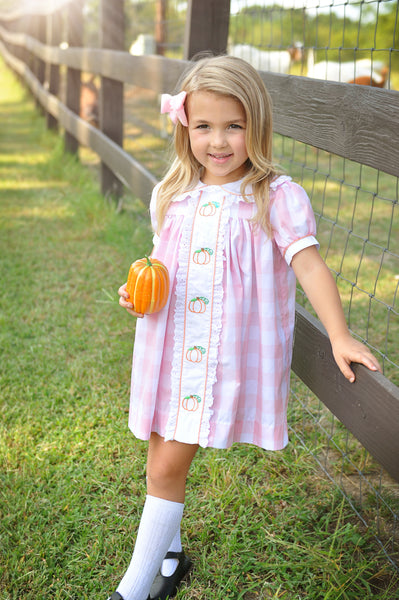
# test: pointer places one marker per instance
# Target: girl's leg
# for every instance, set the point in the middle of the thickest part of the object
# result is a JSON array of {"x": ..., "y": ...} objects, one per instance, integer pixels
[
  {"x": 168, "y": 464},
  {"x": 172, "y": 487},
  {"x": 167, "y": 468}
]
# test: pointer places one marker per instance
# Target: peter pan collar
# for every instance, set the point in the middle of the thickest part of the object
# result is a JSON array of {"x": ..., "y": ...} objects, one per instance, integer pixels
[{"x": 232, "y": 189}]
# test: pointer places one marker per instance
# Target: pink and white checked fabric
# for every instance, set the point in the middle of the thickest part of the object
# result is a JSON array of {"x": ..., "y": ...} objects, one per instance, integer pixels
[{"x": 249, "y": 394}]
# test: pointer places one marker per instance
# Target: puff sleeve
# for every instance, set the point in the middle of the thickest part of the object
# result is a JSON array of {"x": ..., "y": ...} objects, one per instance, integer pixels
[{"x": 292, "y": 219}]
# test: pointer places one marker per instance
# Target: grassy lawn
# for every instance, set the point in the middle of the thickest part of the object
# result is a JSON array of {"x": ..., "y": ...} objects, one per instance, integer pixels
[{"x": 258, "y": 525}]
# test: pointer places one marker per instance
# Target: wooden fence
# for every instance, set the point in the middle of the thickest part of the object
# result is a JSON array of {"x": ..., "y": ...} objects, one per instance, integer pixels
[{"x": 355, "y": 122}]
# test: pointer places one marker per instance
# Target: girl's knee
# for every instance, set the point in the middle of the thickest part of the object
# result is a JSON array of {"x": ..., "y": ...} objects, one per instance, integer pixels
[
  {"x": 164, "y": 473},
  {"x": 167, "y": 467},
  {"x": 164, "y": 480}
]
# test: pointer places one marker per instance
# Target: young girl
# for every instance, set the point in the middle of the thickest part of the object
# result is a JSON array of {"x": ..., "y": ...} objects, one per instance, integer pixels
[{"x": 212, "y": 368}]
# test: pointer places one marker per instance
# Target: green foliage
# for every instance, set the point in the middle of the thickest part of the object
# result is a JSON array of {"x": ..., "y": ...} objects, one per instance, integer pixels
[{"x": 333, "y": 35}]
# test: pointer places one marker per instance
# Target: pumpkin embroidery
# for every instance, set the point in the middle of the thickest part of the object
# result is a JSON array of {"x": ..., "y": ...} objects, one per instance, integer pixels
[
  {"x": 208, "y": 209},
  {"x": 195, "y": 353},
  {"x": 198, "y": 305},
  {"x": 191, "y": 403},
  {"x": 202, "y": 256}
]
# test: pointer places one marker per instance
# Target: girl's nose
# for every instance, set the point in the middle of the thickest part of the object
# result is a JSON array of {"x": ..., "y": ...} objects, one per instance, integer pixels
[{"x": 218, "y": 139}]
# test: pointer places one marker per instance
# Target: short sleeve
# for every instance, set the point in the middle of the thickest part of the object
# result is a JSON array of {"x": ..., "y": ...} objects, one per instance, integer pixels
[
  {"x": 292, "y": 219},
  {"x": 153, "y": 215}
]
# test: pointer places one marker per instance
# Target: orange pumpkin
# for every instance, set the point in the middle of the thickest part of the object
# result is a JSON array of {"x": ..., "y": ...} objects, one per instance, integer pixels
[{"x": 148, "y": 285}]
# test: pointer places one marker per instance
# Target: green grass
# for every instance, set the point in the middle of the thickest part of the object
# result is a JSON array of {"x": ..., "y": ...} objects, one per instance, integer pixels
[{"x": 258, "y": 525}]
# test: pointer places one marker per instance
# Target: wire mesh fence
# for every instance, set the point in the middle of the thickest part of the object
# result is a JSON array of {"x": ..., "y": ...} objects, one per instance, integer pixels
[
  {"x": 356, "y": 206},
  {"x": 357, "y": 213},
  {"x": 340, "y": 40}
]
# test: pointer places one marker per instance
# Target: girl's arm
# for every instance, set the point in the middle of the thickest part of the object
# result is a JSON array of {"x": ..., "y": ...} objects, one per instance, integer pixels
[{"x": 322, "y": 292}]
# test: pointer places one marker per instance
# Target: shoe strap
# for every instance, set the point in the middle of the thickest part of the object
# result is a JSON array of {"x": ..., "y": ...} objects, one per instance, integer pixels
[{"x": 177, "y": 555}]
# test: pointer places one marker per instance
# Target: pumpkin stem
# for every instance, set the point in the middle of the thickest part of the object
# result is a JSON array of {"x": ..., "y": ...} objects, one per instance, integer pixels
[{"x": 149, "y": 263}]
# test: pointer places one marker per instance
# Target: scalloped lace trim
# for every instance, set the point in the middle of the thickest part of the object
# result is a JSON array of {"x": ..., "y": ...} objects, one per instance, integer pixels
[
  {"x": 194, "y": 364},
  {"x": 179, "y": 317}
]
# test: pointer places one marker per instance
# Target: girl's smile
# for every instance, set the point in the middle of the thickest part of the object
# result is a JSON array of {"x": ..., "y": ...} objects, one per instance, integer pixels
[{"x": 217, "y": 129}]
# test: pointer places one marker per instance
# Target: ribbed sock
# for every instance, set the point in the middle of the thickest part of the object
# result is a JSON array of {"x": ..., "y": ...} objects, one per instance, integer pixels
[
  {"x": 169, "y": 565},
  {"x": 158, "y": 526}
]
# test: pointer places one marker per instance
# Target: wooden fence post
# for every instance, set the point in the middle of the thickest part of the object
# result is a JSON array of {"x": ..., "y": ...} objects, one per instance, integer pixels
[
  {"x": 40, "y": 68},
  {"x": 207, "y": 27},
  {"x": 111, "y": 93},
  {"x": 54, "y": 23},
  {"x": 160, "y": 26},
  {"x": 73, "y": 77}
]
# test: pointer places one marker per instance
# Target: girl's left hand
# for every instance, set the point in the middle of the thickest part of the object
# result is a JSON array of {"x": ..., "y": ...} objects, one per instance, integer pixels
[
  {"x": 124, "y": 302},
  {"x": 347, "y": 350}
]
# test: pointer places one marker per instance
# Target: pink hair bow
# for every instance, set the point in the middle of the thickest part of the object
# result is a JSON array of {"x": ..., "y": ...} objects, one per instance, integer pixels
[{"x": 174, "y": 105}]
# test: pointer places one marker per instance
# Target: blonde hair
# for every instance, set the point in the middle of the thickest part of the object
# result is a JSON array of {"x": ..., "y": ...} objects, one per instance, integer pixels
[{"x": 233, "y": 77}]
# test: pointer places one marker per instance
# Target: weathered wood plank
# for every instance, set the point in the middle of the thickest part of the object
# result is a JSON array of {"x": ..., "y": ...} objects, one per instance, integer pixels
[
  {"x": 54, "y": 37},
  {"x": 369, "y": 408},
  {"x": 39, "y": 26},
  {"x": 111, "y": 91},
  {"x": 354, "y": 121},
  {"x": 207, "y": 27},
  {"x": 73, "y": 76}
]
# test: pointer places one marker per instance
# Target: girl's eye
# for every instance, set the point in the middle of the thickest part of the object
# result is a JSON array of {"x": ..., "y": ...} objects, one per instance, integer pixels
[
  {"x": 235, "y": 126},
  {"x": 202, "y": 126}
]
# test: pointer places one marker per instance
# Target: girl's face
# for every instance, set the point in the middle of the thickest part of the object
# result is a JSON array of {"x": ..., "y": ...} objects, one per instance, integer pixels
[{"x": 216, "y": 128}]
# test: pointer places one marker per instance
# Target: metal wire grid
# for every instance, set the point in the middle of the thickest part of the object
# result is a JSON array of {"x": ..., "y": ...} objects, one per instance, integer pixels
[
  {"x": 357, "y": 214},
  {"x": 341, "y": 40},
  {"x": 371, "y": 493}
]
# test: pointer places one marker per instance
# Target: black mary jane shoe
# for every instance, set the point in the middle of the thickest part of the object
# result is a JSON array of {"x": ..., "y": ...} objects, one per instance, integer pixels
[
  {"x": 166, "y": 587},
  {"x": 116, "y": 596}
]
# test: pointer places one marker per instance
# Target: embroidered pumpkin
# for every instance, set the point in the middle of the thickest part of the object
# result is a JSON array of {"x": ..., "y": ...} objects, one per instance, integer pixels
[
  {"x": 191, "y": 403},
  {"x": 208, "y": 209},
  {"x": 195, "y": 353},
  {"x": 202, "y": 256},
  {"x": 148, "y": 285},
  {"x": 198, "y": 305}
]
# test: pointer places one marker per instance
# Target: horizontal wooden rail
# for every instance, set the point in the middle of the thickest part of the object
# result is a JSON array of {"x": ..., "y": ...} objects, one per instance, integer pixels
[
  {"x": 157, "y": 73},
  {"x": 356, "y": 122},
  {"x": 125, "y": 167},
  {"x": 369, "y": 408},
  {"x": 352, "y": 121}
]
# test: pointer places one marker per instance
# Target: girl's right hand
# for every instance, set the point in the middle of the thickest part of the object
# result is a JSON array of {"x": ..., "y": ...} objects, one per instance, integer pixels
[{"x": 124, "y": 302}]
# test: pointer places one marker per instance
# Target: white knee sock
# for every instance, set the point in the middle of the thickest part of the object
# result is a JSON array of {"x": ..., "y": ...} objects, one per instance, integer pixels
[
  {"x": 158, "y": 526},
  {"x": 169, "y": 565}
]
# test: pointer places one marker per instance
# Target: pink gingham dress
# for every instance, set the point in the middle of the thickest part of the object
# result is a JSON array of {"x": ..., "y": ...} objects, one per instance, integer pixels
[{"x": 213, "y": 367}]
